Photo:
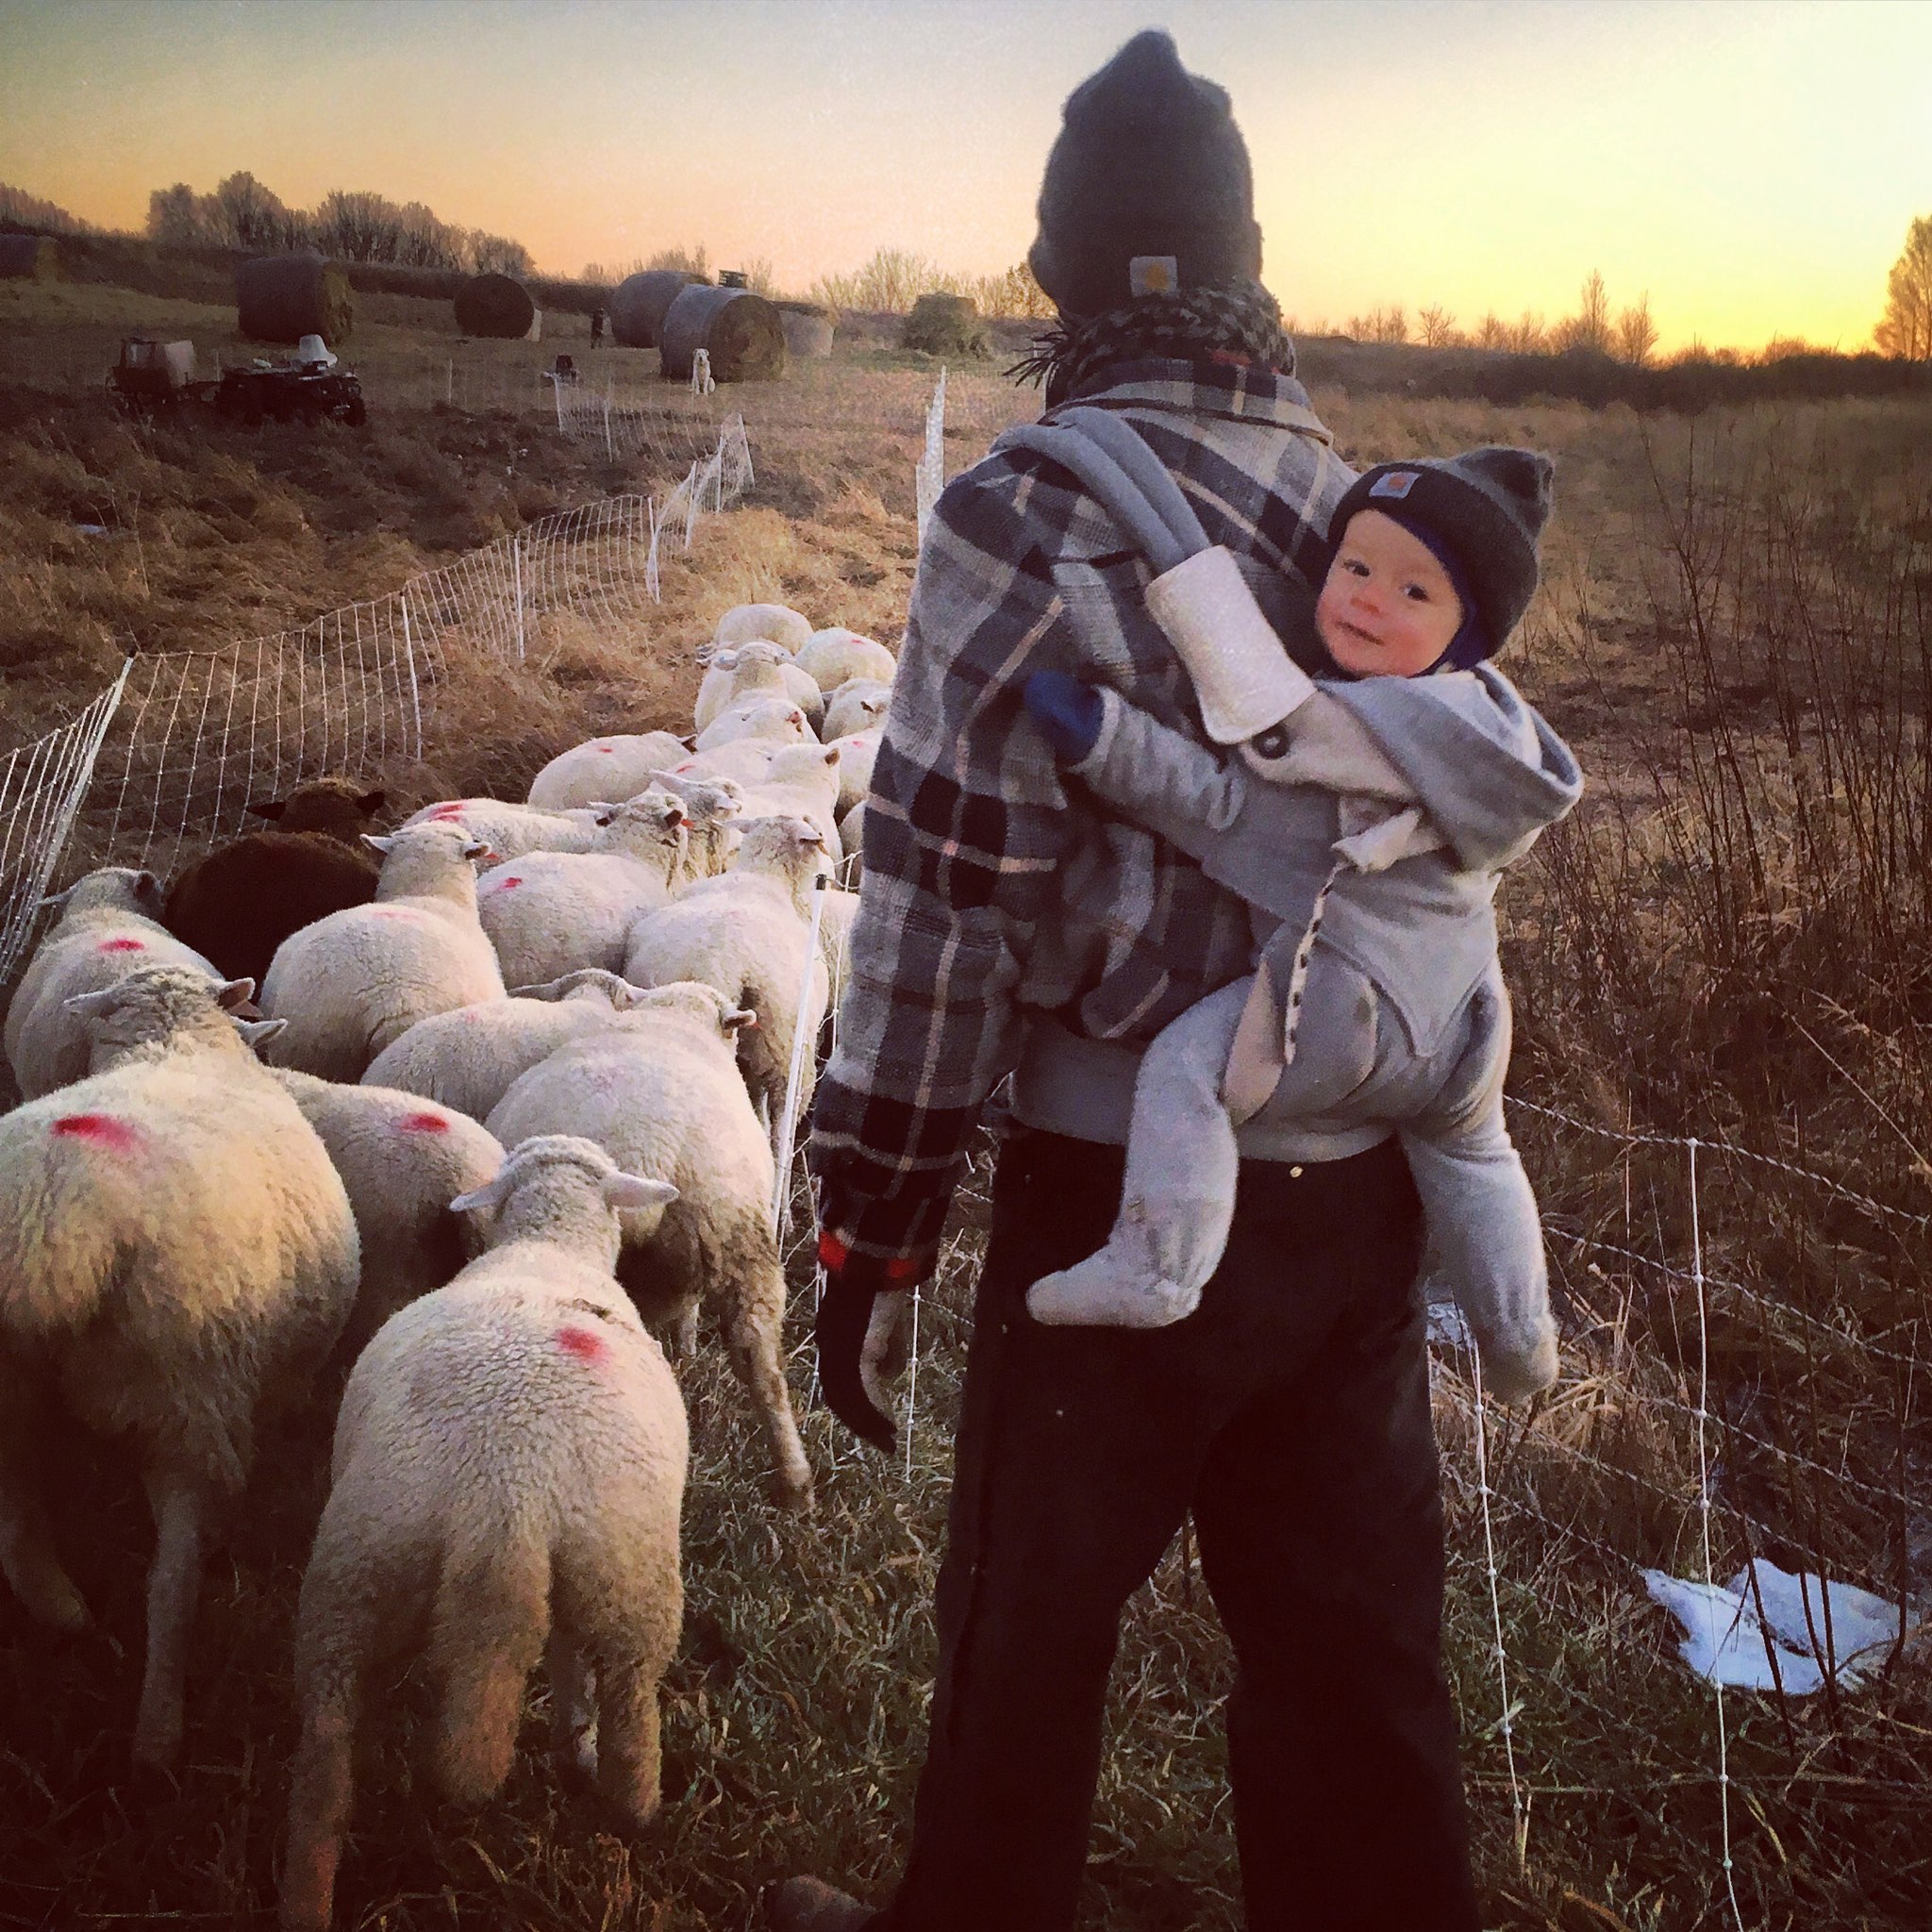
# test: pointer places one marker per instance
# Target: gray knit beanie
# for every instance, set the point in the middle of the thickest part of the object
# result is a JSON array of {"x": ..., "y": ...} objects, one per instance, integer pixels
[
  {"x": 1147, "y": 189},
  {"x": 1483, "y": 514}
]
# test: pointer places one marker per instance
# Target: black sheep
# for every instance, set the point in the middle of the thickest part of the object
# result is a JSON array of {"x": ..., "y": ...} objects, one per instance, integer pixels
[{"x": 241, "y": 901}]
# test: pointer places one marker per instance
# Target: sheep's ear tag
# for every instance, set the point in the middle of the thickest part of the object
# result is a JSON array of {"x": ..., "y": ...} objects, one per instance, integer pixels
[
  {"x": 378, "y": 841},
  {"x": 1153, "y": 275},
  {"x": 634, "y": 1191}
]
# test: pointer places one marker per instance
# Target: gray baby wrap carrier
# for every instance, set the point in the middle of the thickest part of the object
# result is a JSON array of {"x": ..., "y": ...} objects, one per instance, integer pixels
[{"x": 1412, "y": 939}]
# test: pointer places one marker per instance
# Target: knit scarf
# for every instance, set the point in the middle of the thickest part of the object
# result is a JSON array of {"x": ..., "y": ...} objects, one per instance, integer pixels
[{"x": 1240, "y": 323}]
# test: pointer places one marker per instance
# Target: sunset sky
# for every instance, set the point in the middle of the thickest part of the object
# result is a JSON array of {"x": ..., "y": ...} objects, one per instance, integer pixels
[{"x": 1753, "y": 164}]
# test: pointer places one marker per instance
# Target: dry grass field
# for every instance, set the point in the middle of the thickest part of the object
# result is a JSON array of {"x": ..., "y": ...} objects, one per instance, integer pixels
[{"x": 1732, "y": 941}]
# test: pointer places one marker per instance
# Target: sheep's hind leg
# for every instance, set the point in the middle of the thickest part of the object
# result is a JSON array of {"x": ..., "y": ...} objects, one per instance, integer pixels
[
  {"x": 491, "y": 1617},
  {"x": 754, "y": 1320},
  {"x": 172, "y": 1586},
  {"x": 572, "y": 1719},
  {"x": 321, "y": 1793}
]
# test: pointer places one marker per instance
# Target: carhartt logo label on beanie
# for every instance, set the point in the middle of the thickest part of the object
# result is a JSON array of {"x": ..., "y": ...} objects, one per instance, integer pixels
[
  {"x": 1393, "y": 483},
  {"x": 1153, "y": 275}
]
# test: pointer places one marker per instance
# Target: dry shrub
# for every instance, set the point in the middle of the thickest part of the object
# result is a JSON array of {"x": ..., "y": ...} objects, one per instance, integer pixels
[{"x": 942, "y": 324}]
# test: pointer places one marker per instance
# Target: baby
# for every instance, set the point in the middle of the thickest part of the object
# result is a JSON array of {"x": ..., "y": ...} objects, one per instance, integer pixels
[{"x": 1390, "y": 796}]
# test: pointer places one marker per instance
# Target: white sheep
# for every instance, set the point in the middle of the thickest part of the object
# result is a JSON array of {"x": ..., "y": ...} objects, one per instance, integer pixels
[
  {"x": 510, "y": 830},
  {"x": 737, "y": 672},
  {"x": 351, "y": 983},
  {"x": 744, "y": 760},
  {"x": 659, "y": 1090},
  {"x": 615, "y": 767},
  {"x": 402, "y": 1161},
  {"x": 838, "y": 908},
  {"x": 801, "y": 782},
  {"x": 469, "y": 1058},
  {"x": 507, "y": 1471},
  {"x": 715, "y": 807},
  {"x": 832, "y": 656},
  {"x": 756, "y": 717},
  {"x": 858, "y": 705},
  {"x": 776, "y": 624},
  {"x": 851, "y": 837},
  {"x": 177, "y": 1259},
  {"x": 748, "y": 934},
  {"x": 549, "y": 913},
  {"x": 109, "y": 926},
  {"x": 857, "y": 754}
]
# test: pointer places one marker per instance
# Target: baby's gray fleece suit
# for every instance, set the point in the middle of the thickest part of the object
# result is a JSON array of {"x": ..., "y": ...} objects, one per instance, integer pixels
[{"x": 1402, "y": 1018}]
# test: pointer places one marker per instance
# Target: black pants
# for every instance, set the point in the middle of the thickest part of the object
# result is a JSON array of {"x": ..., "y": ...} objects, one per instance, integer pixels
[{"x": 1291, "y": 1414}]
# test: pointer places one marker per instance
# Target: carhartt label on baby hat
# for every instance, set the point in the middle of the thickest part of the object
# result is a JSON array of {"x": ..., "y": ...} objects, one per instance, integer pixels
[
  {"x": 1396, "y": 483},
  {"x": 1154, "y": 274}
]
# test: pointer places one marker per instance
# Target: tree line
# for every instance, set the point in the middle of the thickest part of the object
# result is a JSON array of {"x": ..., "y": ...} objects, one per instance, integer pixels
[{"x": 349, "y": 224}]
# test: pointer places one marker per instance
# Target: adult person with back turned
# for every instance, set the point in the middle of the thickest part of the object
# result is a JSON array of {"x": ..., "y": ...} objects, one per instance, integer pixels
[{"x": 1007, "y": 925}]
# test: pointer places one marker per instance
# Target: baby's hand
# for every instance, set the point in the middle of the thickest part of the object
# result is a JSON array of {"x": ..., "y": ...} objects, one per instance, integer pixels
[{"x": 1068, "y": 712}]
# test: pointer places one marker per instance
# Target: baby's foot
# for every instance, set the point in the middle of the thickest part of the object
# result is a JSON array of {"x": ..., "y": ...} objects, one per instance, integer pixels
[{"x": 1109, "y": 1291}]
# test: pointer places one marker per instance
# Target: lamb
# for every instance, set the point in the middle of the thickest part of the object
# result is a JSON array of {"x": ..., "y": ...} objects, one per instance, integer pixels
[
  {"x": 236, "y": 904},
  {"x": 858, "y": 705},
  {"x": 508, "y": 1470},
  {"x": 715, "y": 807},
  {"x": 776, "y": 624},
  {"x": 756, "y": 717},
  {"x": 352, "y": 983},
  {"x": 857, "y": 754},
  {"x": 802, "y": 781},
  {"x": 550, "y": 912},
  {"x": 615, "y": 767},
  {"x": 177, "y": 1258},
  {"x": 470, "y": 1057},
  {"x": 659, "y": 1090},
  {"x": 512, "y": 830},
  {"x": 401, "y": 1161},
  {"x": 831, "y": 656},
  {"x": 851, "y": 837},
  {"x": 743, "y": 761},
  {"x": 753, "y": 669},
  {"x": 747, "y": 933},
  {"x": 109, "y": 926}
]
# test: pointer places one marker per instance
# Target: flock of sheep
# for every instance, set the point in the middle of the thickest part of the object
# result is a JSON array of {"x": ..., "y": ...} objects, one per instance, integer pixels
[{"x": 477, "y": 1134}]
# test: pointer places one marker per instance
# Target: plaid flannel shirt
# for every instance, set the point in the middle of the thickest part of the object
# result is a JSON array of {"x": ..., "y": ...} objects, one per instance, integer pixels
[{"x": 990, "y": 885}]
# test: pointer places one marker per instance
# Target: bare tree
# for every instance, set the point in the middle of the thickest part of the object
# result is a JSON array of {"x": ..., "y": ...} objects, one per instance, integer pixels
[
  {"x": 1636, "y": 335},
  {"x": 1436, "y": 327},
  {"x": 248, "y": 215},
  {"x": 1590, "y": 327},
  {"x": 1906, "y": 328},
  {"x": 1527, "y": 336},
  {"x": 174, "y": 216},
  {"x": 1492, "y": 332}
]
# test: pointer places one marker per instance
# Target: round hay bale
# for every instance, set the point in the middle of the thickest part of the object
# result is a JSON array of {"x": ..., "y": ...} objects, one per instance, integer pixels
[
  {"x": 281, "y": 298},
  {"x": 739, "y": 330},
  {"x": 945, "y": 325},
  {"x": 30, "y": 258},
  {"x": 496, "y": 306},
  {"x": 639, "y": 302},
  {"x": 809, "y": 327}
]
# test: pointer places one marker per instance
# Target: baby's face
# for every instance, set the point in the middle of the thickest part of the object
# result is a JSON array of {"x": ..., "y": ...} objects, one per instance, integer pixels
[{"x": 1388, "y": 609}]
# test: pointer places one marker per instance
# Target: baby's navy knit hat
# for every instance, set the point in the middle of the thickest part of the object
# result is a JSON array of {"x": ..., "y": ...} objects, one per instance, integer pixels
[
  {"x": 1482, "y": 514},
  {"x": 1148, "y": 188}
]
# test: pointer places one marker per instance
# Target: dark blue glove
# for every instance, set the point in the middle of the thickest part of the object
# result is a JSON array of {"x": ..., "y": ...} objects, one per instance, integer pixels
[{"x": 1067, "y": 710}]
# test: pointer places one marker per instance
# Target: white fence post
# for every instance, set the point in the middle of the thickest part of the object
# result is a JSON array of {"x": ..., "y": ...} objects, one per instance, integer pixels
[
  {"x": 516, "y": 567},
  {"x": 929, "y": 477}
]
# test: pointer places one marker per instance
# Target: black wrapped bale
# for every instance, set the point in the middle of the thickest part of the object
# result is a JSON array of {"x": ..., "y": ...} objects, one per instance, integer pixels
[
  {"x": 281, "y": 298},
  {"x": 945, "y": 325},
  {"x": 30, "y": 258},
  {"x": 639, "y": 302},
  {"x": 496, "y": 306},
  {"x": 808, "y": 328},
  {"x": 740, "y": 331}
]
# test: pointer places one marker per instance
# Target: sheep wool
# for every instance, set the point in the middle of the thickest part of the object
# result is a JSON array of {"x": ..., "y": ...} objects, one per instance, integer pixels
[
  {"x": 744, "y": 760},
  {"x": 402, "y": 1161},
  {"x": 352, "y": 983},
  {"x": 858, "y": 705},
  {"x": 616, "y": 767},
  {"x": 508, "y": 1472},
  {"x": 549, "y": 913},
  {"x": 512, "y": 830},
  {"x": 857, "y": 754},
  {"x": 659, "y": 1090},
  {"x": 747, "y": 933},
  {"x": 772, "y": 718},
  {"x": 467, "y": 1058},
  {"x": 177, "y": 1259},
  {"x": 715, "y": 807},
  {"x": 802, "y": 781},
  {"x": 109, "y": 926},
  {"x": 738, "y": 673},
  {"x": 832, "y": 656},
  {"x": 776, "y": 624}
]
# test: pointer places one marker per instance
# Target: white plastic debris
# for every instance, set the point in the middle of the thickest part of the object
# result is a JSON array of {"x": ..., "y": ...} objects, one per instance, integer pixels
[{"x": 1727, "y": 1645}]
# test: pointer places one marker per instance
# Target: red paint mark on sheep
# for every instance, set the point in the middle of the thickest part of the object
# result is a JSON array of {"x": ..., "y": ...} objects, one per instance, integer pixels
[
  {"x": 123, "y": 945},
  {"x": 504, "y": 885},
  {"x": 101, "y": 1128},
  {"x": 581, "y": 1345},
  {"x": 423, "y": 1123},
  {"x": 452, "y": 811},
  {"x": 604, "y": 750}
]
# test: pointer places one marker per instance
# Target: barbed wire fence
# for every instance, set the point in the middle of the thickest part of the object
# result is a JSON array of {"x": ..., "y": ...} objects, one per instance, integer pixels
[{"x": 169, "y": 754}]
